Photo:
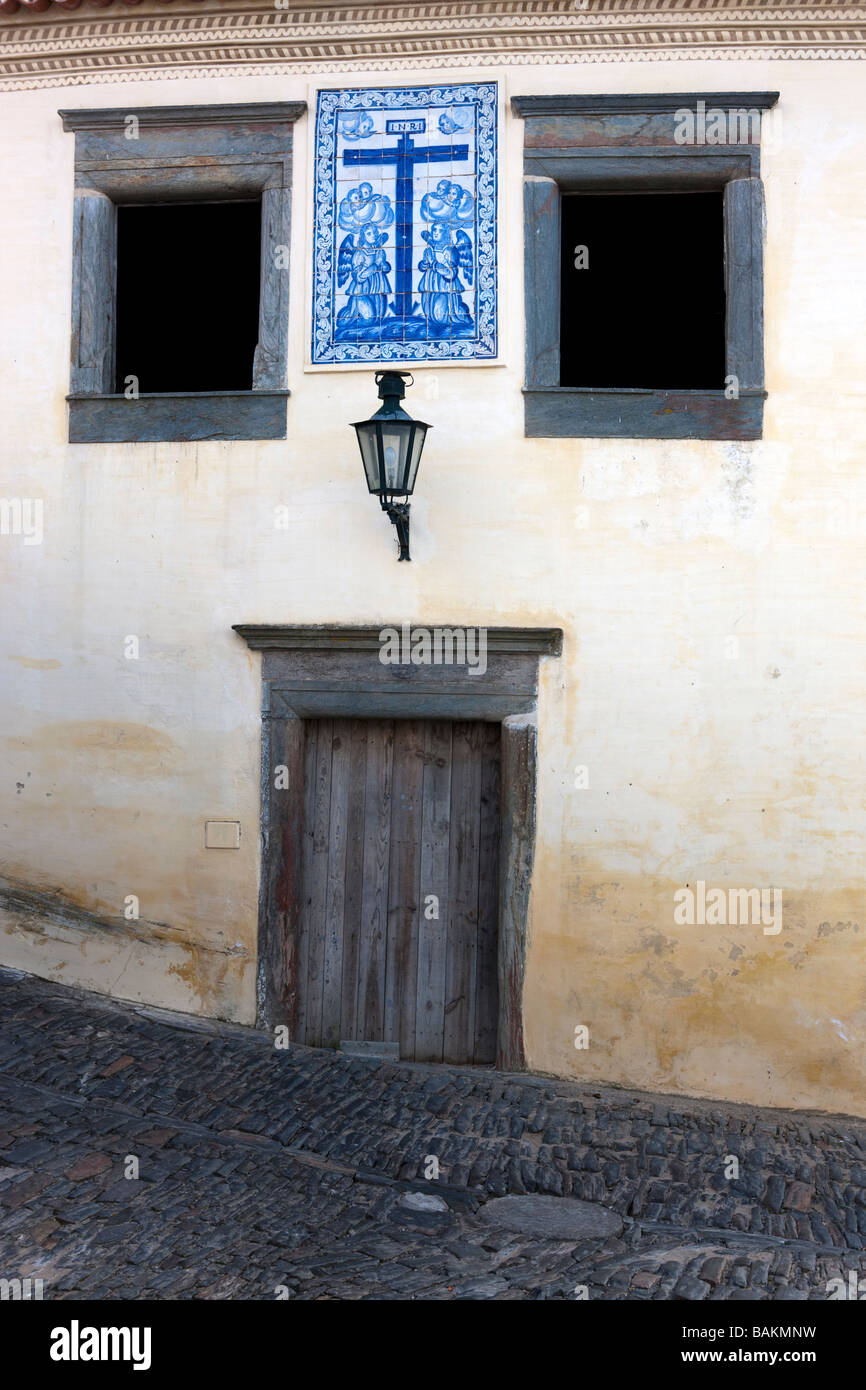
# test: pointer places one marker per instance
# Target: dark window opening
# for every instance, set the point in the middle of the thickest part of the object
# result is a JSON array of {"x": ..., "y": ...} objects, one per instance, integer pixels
[
  {"x": 187, "y": 296},
  {"x": 649, "y": 308}
]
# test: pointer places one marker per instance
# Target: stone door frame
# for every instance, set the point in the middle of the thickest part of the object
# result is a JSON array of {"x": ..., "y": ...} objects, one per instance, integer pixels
[{"x": 333, "y": 671}]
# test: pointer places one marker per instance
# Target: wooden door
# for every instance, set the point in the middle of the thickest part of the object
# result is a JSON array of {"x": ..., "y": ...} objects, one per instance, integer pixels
[{"x": 398, "y": 927}]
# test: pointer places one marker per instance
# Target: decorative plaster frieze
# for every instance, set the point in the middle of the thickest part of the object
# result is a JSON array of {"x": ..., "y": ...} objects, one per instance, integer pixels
[{"x": 74, "y": 49}]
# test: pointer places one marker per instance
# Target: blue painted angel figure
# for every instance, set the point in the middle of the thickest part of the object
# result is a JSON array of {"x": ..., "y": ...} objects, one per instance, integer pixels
[
  {"x": 450, "y": 203},
  {"x": 355, "y": 125},
  {"x": 440, "y": 285},
  {"x": 365, "y": 264},
  {"x": 362, "y": 206}
]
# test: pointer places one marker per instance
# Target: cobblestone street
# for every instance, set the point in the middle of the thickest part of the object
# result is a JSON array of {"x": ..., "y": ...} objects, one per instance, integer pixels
[{"x": 267, "y": 1173}]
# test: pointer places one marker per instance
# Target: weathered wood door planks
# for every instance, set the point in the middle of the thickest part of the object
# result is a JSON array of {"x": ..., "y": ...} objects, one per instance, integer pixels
[{"x": 398, "y": 927}]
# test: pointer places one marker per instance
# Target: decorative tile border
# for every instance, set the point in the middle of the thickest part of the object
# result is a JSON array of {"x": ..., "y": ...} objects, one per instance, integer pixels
[{"x": 405, "y": 228}]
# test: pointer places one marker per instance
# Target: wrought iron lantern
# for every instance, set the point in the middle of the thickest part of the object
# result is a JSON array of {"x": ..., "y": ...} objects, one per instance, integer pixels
[{"x": 391, "y": 443}]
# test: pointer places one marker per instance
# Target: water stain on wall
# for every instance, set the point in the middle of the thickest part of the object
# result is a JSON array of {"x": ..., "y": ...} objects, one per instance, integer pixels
[
  {"x": 33, "y": 663},
  {"x": 128, "y": 959},
  {"x": 706, "y": 1010},
  {"x": 118, "y": 744}
]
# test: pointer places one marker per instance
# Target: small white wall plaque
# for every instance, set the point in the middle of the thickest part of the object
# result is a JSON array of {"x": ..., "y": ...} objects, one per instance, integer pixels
[{"x": 222, "y": 834}]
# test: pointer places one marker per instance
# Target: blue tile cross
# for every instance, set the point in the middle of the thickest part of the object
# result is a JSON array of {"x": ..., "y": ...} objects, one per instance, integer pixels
[{"x": 405, "y": 154}]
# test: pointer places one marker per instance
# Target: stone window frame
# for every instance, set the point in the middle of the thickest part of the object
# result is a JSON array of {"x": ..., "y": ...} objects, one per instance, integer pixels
[
  {"x": 177, "y": 154},
  {"x": 627, "y": 143},
  {"x": 331, "y": 671}
]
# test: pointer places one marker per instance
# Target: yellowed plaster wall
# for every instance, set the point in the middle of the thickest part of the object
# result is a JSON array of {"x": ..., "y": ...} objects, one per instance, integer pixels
[{"x": 745, "y": 771}]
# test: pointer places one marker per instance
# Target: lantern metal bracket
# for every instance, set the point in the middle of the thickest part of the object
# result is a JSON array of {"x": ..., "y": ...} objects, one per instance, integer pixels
[{"x": 398, "y": 515}]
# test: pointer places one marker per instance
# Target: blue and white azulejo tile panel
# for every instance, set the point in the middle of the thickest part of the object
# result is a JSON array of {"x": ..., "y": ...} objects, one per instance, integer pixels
[{"x": 405, "y": 239}]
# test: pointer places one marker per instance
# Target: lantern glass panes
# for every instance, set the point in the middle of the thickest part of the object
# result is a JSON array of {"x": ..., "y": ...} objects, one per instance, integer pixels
[{"x": 391, "y": 451}]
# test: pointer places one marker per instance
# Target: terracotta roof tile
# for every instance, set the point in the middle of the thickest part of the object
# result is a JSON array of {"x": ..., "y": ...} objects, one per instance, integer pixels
[{"x": 12, "y": 6}]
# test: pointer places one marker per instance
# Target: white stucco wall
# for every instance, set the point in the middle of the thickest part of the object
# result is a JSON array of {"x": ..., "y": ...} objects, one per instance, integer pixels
[{"x": 743, "y": 772}]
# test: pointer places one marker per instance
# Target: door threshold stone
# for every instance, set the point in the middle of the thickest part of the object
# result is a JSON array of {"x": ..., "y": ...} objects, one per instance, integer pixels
[{"x": 390, "y": 1051}]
